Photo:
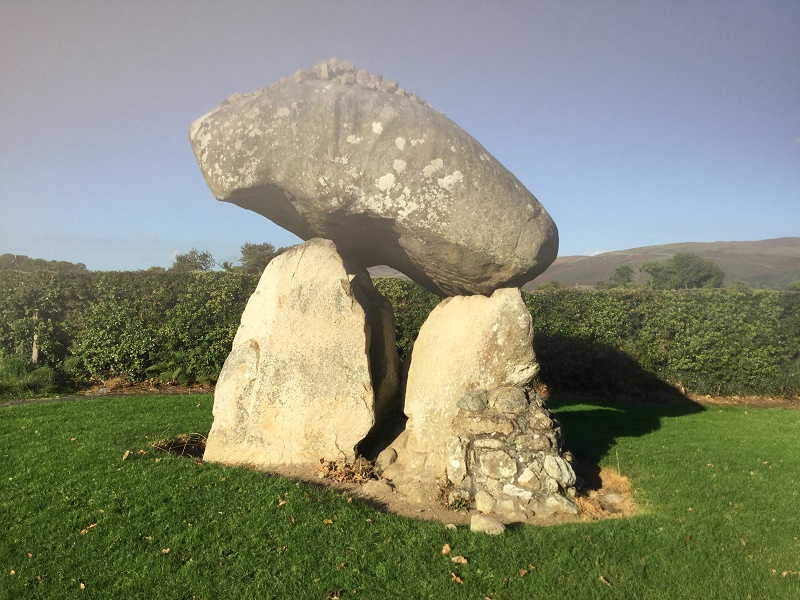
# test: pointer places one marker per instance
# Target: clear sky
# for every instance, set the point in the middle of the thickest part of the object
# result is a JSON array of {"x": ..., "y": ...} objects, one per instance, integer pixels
[{"x": 634, "y": 122}]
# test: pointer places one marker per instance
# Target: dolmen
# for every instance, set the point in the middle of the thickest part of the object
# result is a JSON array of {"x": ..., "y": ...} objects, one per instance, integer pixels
[{"x": 369, "y": 174}]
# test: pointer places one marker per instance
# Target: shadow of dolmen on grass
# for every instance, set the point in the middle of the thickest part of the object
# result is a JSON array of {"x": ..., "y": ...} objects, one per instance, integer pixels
[{"x": 626, "y": 400}]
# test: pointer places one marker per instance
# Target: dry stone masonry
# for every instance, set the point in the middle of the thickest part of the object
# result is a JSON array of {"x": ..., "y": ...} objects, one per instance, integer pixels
[
  {"x": 505, "y": 454},
  {"x": 339, "y": 153},
  {"x": 369, "y": 174}
]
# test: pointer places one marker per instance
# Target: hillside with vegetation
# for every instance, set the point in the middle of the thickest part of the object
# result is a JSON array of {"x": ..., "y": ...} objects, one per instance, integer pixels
[{"x": 764, "y": 264}]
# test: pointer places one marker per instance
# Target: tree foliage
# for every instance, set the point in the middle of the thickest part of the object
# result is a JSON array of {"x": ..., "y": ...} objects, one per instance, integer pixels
[
  {"x": 256, "y": 257},
  {"x": 173, "y": 326},
  {"x": 706, "y": 341},
  {"x": 682, "y": 272},
  {"x": 20, "y": 262},
  {"x": 194, "y": 260},
  {"x": 622, "y": 276},
  {"x": 553, "y": 284}
]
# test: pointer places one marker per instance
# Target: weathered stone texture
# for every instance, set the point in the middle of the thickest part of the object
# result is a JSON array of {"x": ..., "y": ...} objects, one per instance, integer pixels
[
  {"x": 467, "y": 343},
  {"x": 313, "y": 364},
  {"x": 514, "y": 472},
  {"x": 473, "y": 426},
  {"x": 339, "y": 153}
]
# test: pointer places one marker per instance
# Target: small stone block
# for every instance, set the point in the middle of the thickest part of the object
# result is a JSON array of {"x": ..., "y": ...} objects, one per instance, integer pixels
[{"x": 486, "y": 524}]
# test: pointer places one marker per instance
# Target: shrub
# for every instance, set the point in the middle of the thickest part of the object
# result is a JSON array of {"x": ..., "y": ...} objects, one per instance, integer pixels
[
  {"x": 411, "y": 304},
  {"x": 706, "y": 341},
  {"x": 19, "y": 378},
  {"x": 200, "y": 327},
  {"x": 179, "y": 327},
  {"x": 114, "y": 340}
]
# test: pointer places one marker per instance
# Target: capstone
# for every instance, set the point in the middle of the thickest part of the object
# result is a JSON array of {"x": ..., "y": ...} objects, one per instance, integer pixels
[{"x": 339, "y": 153}]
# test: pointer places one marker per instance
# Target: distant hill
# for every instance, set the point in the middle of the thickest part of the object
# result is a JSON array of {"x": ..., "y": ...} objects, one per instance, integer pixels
[{"x": 762, "y": 264}]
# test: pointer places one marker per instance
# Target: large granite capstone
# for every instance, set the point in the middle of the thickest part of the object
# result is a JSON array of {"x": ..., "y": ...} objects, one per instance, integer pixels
[{"x": 339, "y": 153}]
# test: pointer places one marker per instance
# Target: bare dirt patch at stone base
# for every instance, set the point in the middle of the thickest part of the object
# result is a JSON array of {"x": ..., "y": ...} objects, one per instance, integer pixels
[{"x": 604, "y": 495}]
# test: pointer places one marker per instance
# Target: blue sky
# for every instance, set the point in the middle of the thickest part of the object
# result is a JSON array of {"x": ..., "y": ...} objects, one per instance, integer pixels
[{"x": 634, "y": 123}]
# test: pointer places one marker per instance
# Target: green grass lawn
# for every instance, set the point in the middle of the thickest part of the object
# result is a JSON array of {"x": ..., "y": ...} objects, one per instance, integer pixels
[{"x": 718, "y": 488}]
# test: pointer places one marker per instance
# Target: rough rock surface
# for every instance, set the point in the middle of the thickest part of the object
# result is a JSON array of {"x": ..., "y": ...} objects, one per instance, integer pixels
[
  {"x": 313, "y": 365},
  {"x": 466, "y": 344},
  {"x": 342, "y": 154},
  {"x": 506, "y": 455},
  {"x": 486, "y": 524}
]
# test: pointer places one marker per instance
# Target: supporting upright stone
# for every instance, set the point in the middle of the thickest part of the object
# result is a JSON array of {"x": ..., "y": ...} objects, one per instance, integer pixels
[
  {"x": 313, "y": 367},
  {"x": 467, "y": 343},
  {"x": 475, "y": 431}
]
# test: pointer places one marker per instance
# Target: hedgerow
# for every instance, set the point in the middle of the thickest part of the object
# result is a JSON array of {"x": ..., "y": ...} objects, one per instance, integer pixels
[
  {"x": 179, "y": 327},
  {"x": 724, "y": 342}
]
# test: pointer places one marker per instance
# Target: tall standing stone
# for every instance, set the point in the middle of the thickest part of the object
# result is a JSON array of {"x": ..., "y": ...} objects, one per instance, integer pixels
[{"x": 313, "y": 366}]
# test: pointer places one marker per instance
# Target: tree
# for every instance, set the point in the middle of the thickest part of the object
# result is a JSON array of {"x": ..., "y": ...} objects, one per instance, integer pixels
[
  {"x": 621, "y": 277},
  {"x": 683, "y": 271},
  {"x": 194, "y": 260},
  {"x": 20, "y": 262},
  {"x": 256, "y": 257},
  {"x": 551, "y": 285}
]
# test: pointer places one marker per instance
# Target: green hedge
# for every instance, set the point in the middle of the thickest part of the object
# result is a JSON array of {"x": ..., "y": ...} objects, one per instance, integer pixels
[
  {"x": 179, "y": 327},
  {"x": 725, "y": 342}
]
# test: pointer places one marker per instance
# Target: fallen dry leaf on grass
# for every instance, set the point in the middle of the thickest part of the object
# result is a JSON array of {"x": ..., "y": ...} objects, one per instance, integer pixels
[
  {"x": 523, "y": 572},
  {"x": 604, "y": 580},
  {"x": 456, "y": 578},
  {"x": 459, "y": 560},
  {"x": 126, "y": 455},
  {"x": 85, "y": 531},
  {"x": 786, "y": 573},
  {"x": 446, "y": 549},
  {"x": 328, "y": 521}
]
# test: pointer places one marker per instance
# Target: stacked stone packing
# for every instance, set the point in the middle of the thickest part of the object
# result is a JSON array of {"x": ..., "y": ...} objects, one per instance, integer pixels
[{"x": 506, "y": 455}]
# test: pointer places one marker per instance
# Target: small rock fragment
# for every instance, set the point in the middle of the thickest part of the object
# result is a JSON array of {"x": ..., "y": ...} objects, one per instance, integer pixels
[{"x": 480, "y": 523}]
